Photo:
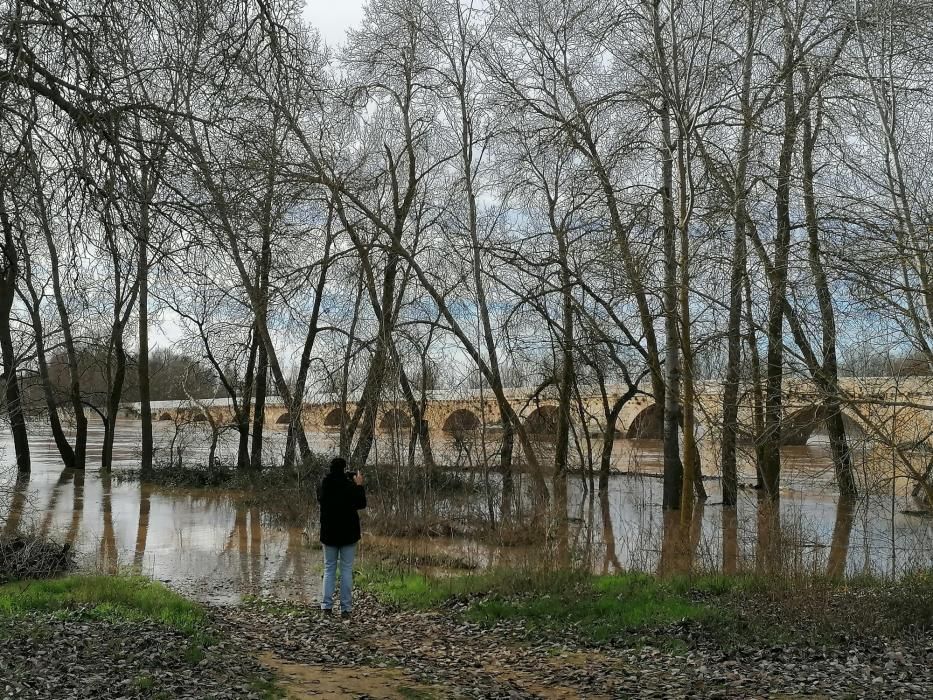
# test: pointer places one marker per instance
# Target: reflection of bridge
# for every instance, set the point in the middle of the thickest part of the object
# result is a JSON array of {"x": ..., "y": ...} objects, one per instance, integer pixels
[{"x": 887, "y": 409}]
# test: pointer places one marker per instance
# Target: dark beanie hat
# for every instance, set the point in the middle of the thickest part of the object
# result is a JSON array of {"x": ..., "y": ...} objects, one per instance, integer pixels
[{"x": 338, "y": 465}]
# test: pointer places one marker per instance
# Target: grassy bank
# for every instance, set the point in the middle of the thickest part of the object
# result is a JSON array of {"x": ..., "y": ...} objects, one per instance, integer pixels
[
  {"x": 731, "y": 610},
  {"x": 147, "y": 638},
  {"x": 130, "y": 598}
]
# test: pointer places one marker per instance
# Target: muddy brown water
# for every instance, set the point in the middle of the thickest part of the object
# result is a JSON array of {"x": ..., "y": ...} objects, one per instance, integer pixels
[{"x": 214, "y": 546}]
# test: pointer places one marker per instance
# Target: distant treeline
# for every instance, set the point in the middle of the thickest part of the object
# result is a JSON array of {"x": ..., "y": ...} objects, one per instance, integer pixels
[{"x": 173, "y": 376}]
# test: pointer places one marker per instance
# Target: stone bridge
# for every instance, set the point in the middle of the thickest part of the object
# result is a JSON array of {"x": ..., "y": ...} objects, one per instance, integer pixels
[{"x": 883, "y": 409}]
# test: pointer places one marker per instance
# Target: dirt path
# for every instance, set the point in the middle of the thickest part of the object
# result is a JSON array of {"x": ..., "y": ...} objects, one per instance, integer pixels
[{"x": 303, "y": 681}]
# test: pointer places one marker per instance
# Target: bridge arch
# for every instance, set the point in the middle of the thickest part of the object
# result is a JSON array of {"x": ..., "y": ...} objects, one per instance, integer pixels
[
  {"x": 334, "y": 418},
  {"x": 542, "y": 421},
  {"x": 165, "y": 416},
  {"x": 462, "y": 420},
  {"x": 198, "y": 418},
  {"x": 284, "y": 419},
  {"x": 647, "y": 425},
  {"x": 798, "y": 427},
  {"x": 395, "y": 419}
]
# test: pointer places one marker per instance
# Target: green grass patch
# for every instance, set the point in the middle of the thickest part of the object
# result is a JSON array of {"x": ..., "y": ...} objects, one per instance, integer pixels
[
  {"x": 266, "y": 689},
  {"x": 412, "y": 590},
  {"x": 735, "y": 609},
  {"x": 144, "y": 682},
  {"x": 600, "y": 609},
  {"x": 597, "y": 607},
  {"x": 412, "y": 693},
  {"x": 105, "y": 598}
]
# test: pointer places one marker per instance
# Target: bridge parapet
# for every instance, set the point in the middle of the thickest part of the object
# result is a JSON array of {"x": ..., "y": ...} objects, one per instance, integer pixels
[{"x": 868, "y": 401}]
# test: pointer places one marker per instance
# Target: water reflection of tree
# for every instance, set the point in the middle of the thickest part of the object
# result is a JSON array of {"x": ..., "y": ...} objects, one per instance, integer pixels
[
  {"x": 679, "y": 540},
  {"x": 108, "y": 559},
  {"x": 63, "y": 479},
  {"x": 730, "y": 540},
  {"x": 77, "y": 507},
  {"x": 768, "y": 559},
  {"x": 142, "y": 524},
  {"x": 247, "y": 534},
  {"x": 17, "y": 504},
  {"x": 609, "y": 537},
  {"x": 842, "y": 531},
  {"x": 295, "y": 565}
]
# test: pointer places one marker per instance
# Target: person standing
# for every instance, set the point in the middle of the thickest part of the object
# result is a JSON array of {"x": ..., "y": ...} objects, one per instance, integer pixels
[{"x": 341, "y": 497}]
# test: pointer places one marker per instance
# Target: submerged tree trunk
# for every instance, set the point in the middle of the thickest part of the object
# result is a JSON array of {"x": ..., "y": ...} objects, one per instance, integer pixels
[
  {"x": 13, "y": 395},
  {"x": 51, "y": 401},
  {"x": 113, "y": 398},
  {"x": 74, "y": 374},
  {"x": 506, "y": 451},
  {"x": 9, "y": 271}
]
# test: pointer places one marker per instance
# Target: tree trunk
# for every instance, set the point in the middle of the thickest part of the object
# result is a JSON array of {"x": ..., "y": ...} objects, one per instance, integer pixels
[
  {"x": 51, "y": 403},
  {"x": 9, "y": 271},
  {"x": 259, "y": 410},
  {"x": 605, "y": 456},
  {"x": 673, "y": 418},
  {"x": 826, "y": 375},
  {"x": 692, "y": 479},
  {"x": 730, "y": 406},
  {"x": 113, "y": 398},
  {"x": 142, "y": 363},
  {"x": 730, "y": 394},
  {"x": 506, "y": 451},
  {"x": 243, "y": 419},
  {"x": 771, "y": 438},
  {"x": 673, "y": 468},
  {"x": 842, "y": 531},
  {"x": 565, "y": 390},
  {"x": 14, "y": 404},
  {"x": 758, "y": 401},
  {"x": 730, "y": 540}
]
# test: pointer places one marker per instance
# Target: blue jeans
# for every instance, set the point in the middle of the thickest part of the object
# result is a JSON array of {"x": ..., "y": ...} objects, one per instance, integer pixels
[{"x": 346, "y": 554}]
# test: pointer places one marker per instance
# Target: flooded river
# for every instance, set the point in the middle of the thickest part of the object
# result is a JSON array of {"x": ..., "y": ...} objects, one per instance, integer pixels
[{"x": 215, "y": 545}]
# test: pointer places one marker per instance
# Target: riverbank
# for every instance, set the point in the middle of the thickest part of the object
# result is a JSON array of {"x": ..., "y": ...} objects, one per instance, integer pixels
[{"x": 497, "y": 634}]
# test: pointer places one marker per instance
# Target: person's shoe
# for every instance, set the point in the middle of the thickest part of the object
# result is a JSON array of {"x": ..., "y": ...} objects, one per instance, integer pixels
[
  {"x": 327, "y": 611},
  {"x": 344, "y": 614}
]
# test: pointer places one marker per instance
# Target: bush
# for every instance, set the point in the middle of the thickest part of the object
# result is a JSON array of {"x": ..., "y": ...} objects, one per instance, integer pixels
[{"x": 29, "y": 557}]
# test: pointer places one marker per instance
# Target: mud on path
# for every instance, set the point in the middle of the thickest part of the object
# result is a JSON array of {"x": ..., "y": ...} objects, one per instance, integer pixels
[{"x": 387, "y": 653}]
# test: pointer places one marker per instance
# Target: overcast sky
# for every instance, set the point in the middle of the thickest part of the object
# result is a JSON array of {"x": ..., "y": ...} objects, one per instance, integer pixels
[{"x": 333, "y": 17}]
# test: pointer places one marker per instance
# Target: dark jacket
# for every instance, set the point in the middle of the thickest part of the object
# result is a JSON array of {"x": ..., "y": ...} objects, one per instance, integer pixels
[{"x": 340, "y": 500}]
